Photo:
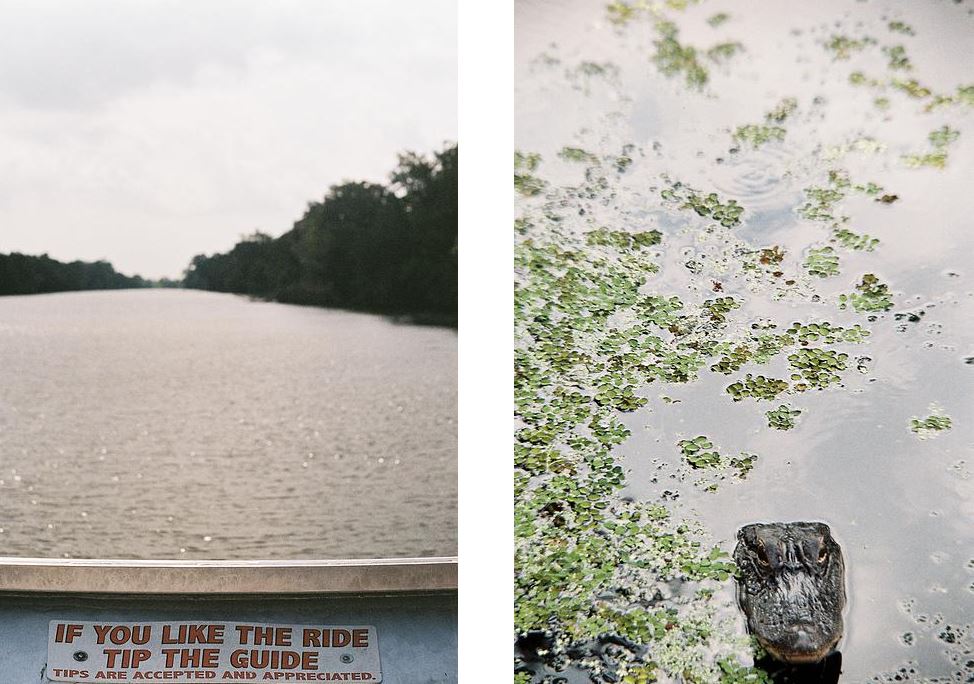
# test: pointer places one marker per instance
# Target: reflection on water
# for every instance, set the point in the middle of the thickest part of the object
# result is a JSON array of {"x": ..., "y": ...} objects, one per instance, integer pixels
[
  {"x": 180, "y": 424},
  {"x": 824, "y": 672},
  {"x": 901, "y": 507},
  {"x": 760, "y": 179}
]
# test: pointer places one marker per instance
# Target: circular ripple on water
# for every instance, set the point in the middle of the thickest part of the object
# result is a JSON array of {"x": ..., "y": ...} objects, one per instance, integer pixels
[{"x": 757, "y": 179}]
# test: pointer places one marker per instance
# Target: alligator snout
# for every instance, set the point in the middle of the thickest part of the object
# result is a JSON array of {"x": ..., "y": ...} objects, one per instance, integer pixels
[
  {"x": 791, "y": 587},
  {"x": 800, "y": 643}
]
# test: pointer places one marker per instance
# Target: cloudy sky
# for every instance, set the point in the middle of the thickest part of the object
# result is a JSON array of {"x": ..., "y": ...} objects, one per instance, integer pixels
[{"x": 147, "y": 132}]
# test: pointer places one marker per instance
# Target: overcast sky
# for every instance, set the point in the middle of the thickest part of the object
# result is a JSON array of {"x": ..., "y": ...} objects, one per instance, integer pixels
[{"x": 147, "y": 132}]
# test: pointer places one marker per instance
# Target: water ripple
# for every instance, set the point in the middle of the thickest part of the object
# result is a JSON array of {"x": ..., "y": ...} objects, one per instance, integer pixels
[{"x": 758, "y": 179}]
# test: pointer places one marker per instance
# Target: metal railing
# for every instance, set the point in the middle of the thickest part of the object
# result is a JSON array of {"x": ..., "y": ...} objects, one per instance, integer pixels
[{"x": 95, "y": 576}]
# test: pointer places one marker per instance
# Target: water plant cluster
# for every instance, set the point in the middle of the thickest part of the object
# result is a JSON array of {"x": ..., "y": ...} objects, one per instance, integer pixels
[
  {"x": 870, "y": 295},
  {"x": 940, "y": 140},
  {"x": 675, "y": 58},
  {"x": 728, "y": 213},
  {"x": 592, "y": 335},
  {"x": 931, "y": 425},
  {"x": 757, "y": 135},
  {"x": 898, "y": 63},
  {"x": 602, "y": 334},
  {"x": 823, "y": 205},
  {"x": 783, "y": 417},
  {"x": 575, "y": 372}
]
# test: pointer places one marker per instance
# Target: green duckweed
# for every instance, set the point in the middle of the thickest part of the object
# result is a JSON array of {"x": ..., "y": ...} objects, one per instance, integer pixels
[
  {"x": 757, "y": 387},
  {"x": 709, "y": 205},
  {"x": 699, "y": 452},
  {"x": 783, "y": 417},
  {"x": 816, "y": 368},
  {"x": 822, "y": 262},
  {"x": 855, "y": 241},
  {"x": 842, "y": 47},
  {"x": 912, "y": 87},
  {"x": 718, "y": 19},
  {"x": 858, "y": 78},
  {"x": 871, "y": 295},
  {"x": 936, "y": 159},
  {"x": 576, "y": 154},
  {"x": 942, "y": 137},
  {"x": 595, "y": 326},
  {"x": 525, "y": 164},
  {"x": 757, "y": 135},
  {"x": 898, "y": 59},
  {"x": 724, "y": 51},
  {"x": 623, "y": 240},
  {"x": 964, "y": 96},
  {"x": 826, "y": 333},
  {"x": 901, "y": 27},
  {"x": 672, "y": 58},
  {"x": 932, "y": 425}
]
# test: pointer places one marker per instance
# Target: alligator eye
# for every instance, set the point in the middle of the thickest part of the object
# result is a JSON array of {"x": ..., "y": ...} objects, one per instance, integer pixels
[{"x": 822, "y": 554}]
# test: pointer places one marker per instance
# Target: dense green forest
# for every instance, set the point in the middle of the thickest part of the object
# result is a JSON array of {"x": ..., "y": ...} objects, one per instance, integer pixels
[
  {"x": 24, "y": 274},
  {"x": 388, "y": 248}
]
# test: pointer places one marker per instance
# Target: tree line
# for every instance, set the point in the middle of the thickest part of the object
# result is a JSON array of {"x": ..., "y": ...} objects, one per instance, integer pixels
[
  {"x": 388, "y": 248},
  {"x": 24, "y": 274}
]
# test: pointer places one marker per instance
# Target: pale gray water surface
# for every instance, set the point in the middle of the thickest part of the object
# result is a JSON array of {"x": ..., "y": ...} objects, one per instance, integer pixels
[
  {"x": 902, "y": 507},
  {"x": 184, "y": 424}
]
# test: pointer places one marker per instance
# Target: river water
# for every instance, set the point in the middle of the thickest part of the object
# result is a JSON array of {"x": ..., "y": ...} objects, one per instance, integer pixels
[
  {"x": 184, "y": 424},
  {"x": 901, "y": 506}
]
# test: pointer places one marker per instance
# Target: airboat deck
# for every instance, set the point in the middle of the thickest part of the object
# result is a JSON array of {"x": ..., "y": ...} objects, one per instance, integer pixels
[{"x": 388, "y": 620}]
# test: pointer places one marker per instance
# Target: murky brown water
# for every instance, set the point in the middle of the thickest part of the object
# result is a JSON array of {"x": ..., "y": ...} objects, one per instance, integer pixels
[
  {"x": 181, "y": 424},
  {"x": 902, "y": 508}
]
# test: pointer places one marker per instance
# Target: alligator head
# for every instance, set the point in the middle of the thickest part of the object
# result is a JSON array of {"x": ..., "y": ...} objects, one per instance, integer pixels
[{"x": 791, "y": 586}]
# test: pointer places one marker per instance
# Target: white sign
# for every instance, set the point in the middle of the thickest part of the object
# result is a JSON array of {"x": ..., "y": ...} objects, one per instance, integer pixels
[{"x": 190, "y": 652}]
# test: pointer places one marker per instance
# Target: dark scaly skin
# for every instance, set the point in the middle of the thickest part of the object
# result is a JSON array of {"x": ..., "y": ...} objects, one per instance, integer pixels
[{"x": 791, "y": 586}]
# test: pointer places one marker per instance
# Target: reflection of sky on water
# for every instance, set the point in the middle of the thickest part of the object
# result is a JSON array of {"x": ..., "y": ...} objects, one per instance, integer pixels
[
  {"x": 901, "y": 507},
  {"x": 186, "y": 424}
]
